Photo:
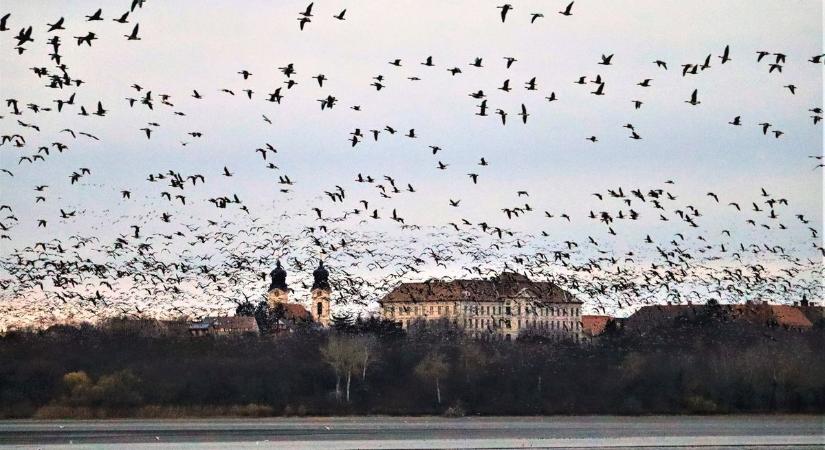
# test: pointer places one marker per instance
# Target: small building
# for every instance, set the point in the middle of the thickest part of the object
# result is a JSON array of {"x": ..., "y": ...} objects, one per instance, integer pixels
[
  {"x": 504, "y": 306},
  {"x": 751, "y": 313},
  {"x": 224, "y": 326},
  {"x": 814, "y": 313},
  {"x": 594, "y": 326}
]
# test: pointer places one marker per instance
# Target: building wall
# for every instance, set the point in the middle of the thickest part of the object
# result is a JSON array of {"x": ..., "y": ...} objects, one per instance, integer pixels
[
  {"x": 276, "y": 296},
  {"x": 505, "y": 319},
  {"x": 319, "y": 299}
]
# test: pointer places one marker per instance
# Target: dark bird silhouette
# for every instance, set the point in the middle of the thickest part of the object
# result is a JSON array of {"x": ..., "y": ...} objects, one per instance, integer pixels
[
  {"x": 567, "y": 11},
  {"x": 725, "y": 55},
  {"x": 505, "y": 8},
  {"x": 123, "y": 18},
  {"x": 503, "y": 116},
  {"x": 693, "y": 98},
  {"x": 523, "y": 113},
  {"x": 88, "y": 38},
  {"x": 482, "y": 108},
  {"x": 96, "y": 16},
  {"x": 506, "y": 86},
  {"x": 53, "y": 26},
  {"x": 100, "y": 111}
]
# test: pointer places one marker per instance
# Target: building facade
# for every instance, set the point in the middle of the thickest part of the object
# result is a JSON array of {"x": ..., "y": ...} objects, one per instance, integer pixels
[
  {"x": 224, "y": 326},
  {"x": 504, "y": 307}
]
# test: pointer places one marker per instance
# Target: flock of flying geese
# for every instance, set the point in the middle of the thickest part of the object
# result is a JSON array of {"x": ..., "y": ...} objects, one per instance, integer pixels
[{"x": 170, "y": 272}]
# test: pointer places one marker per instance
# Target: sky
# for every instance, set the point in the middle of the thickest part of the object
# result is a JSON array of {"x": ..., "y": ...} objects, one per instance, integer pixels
[{"x": 202, "y": 45}]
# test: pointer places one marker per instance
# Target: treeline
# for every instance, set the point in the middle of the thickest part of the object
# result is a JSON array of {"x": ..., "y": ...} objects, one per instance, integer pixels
[{"x": 372, "y": 367}]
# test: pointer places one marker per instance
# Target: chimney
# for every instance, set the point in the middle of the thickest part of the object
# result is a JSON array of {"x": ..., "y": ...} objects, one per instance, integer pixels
[
  {"x": 796, "y": 303},
  {"x": 764, "y": 302},
  {"x": 748, "y": 302},
  {"x": 804, "y": 301},
  {"x": 690, "y": 303},
  {"x": 669, "y": 303}
]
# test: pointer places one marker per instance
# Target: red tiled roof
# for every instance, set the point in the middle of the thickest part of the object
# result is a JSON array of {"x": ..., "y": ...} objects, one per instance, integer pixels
[
  {"x": 296, "y": 311},
  {"x": 790, "y": 316},
  {"x": 754, "y": 313},
  {"x": 238, "y": 324},
  {"x": 507, "y": 285},
  {"x": 595, "y": 325}
]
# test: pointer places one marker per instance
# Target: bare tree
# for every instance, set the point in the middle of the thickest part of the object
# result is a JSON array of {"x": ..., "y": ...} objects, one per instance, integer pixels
[
  {"x": 345, "y": 354},
  {"x": 368, "y": 347},
  {"x": 433, "y": 367}
]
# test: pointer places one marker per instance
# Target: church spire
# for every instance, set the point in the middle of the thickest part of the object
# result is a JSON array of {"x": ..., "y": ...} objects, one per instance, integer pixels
[
  {"x": 278, "y": 276},
  {"x": 321, "y": 277}
]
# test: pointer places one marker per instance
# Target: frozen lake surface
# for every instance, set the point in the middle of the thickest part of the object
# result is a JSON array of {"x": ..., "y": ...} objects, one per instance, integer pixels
[{"x": 417, "y": 432}]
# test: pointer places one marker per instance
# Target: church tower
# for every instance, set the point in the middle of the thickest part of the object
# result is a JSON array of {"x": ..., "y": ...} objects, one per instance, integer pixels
[
  {"x": 278, "y": 291},
  {"x": 319, "y": 308}
]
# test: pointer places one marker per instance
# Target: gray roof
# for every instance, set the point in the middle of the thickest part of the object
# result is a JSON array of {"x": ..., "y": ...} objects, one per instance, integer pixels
[{"x": 506, "y": 286}]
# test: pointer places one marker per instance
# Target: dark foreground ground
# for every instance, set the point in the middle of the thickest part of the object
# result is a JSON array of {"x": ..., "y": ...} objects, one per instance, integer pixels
[{"x": 384, "y": 432}]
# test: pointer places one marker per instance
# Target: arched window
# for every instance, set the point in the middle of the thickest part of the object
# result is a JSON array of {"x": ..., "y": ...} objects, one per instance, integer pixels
[{"x": 320, "y": 309}]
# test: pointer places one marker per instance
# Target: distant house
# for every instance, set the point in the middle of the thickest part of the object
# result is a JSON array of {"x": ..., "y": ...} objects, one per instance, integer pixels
[
  {"x": 756, "y": 314},
  {"x": 224, "y": 326},
  {"x": 199, "y": 328},
  {"x": 593, "y": 327},
  {"x": 815, "y": 314},
  {"x": 293, "y": 314}
]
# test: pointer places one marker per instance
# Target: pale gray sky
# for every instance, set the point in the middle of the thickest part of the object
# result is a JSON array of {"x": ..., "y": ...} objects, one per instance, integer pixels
[{"x": 201, "y": 45}]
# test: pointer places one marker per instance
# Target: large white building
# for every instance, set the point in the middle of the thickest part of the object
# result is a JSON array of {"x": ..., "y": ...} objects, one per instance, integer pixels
[{"x": 503, "y": 307}]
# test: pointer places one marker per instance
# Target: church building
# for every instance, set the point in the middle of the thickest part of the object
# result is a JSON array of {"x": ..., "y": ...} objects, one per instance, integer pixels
[{"x": 319, "y": 308}]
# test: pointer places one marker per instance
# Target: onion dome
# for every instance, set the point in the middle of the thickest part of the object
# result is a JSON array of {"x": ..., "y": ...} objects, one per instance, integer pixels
[
  {"x": 321, "y": 277},
  {"x": 278, "y": 278}
]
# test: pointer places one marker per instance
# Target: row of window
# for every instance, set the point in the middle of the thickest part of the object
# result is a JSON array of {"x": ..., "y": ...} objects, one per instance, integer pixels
[
  {"x": 481, "y": 324},
  {"x": 508, "y": 336},
  {"x": 483, "y": 310}
]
